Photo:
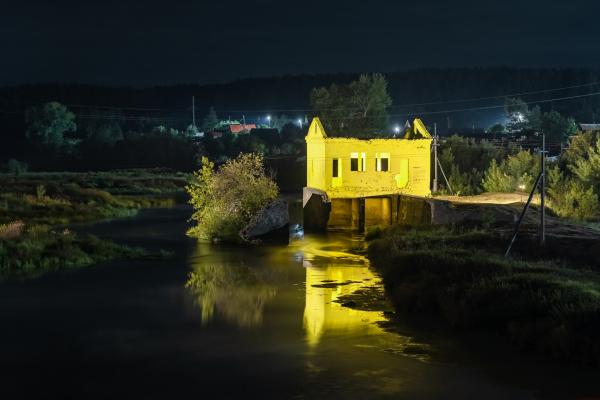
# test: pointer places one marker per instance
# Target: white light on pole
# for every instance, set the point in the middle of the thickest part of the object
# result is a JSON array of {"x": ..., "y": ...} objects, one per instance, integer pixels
[
  {"x": 396, "y": 129},
  {"x": 300, "y": 122},
  {"x": 269, "y": 120}
]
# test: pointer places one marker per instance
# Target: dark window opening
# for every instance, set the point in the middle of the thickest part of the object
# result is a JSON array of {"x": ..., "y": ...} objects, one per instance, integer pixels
[
  {"x": 384, "y": 164},
  {"x": 354, "y": 164},
  {"x": 335, "y": 168}
]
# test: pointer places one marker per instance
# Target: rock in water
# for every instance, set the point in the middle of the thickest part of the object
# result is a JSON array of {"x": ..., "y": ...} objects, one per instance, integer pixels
[{"x": 270, "y": 225}]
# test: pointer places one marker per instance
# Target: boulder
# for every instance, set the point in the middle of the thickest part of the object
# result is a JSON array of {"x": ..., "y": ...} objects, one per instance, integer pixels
[{"x": 270, "y": 225}]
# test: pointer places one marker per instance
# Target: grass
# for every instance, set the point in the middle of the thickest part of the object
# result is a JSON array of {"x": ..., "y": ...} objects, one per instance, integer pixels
[
  {"x": 38, "y": 249},
  {"x": 61, "y": 198},
  {"x": 461, "y": 276}
]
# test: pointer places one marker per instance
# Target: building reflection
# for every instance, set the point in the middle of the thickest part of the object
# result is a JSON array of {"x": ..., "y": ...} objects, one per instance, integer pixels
[{"x": 323, "y": 315}]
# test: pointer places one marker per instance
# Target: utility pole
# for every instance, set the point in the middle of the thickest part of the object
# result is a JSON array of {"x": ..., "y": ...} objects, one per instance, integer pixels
[
  {"x": 244, "y": 122},
  {"x": 435, "y": 159},
  {"x": 193, "y": 111},
  {"x": 543, "y": 192},
  {"x": 541, "y": 183}
]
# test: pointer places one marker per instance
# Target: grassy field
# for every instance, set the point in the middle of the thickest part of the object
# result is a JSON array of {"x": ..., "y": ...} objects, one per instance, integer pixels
[
  {"x": 62, "y": 198},
  {"x": 31, "y": 251},
  {"x": 544, "y": 304},
  {"x": 31, "y": 204}
]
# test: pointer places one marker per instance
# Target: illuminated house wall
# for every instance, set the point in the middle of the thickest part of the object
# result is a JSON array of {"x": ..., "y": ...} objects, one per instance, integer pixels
[{"x": 351, "y": 168}]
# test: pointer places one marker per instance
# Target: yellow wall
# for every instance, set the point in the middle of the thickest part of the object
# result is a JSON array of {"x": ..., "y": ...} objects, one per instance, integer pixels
[{"x": 408, "y": 166}]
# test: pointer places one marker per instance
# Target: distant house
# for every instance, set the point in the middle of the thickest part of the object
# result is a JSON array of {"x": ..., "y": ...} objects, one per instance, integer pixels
[
  {"x": 589, "y": 127},
  {"x": 241, "y": 128}
]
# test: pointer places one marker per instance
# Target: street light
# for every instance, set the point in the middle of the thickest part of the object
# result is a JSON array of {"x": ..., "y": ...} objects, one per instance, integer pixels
[
  {"x": 269, "y": 120},
  {"x": 396, "y": 129},
  {"x": 300, "y": 122},
  {"x": 522, "y": 188}
]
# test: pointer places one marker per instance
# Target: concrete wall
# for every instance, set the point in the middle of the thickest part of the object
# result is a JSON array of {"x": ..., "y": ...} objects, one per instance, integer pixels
[{"x": 408, "y": 165}]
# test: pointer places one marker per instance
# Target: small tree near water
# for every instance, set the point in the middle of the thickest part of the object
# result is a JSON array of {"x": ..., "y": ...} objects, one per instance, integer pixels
[{"x": 224, "y": 200}]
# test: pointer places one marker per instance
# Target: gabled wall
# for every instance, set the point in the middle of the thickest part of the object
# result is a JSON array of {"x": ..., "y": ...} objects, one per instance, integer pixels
[{"x": 408, "y": 165}]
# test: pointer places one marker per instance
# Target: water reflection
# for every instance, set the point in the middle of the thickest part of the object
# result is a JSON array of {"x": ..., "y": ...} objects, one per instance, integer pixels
[
  {"x": 324, "y": 314},
  {"x": 237, "y": 284},
  {"x": 239, "y": 292}
]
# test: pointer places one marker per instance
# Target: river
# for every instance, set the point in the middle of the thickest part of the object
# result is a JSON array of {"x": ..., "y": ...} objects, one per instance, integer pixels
[{"x": 217, "y": 321}]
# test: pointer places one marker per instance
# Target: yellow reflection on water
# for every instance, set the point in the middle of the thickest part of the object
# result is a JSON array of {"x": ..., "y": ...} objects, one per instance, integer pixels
[{"x": 331, "y": 274}]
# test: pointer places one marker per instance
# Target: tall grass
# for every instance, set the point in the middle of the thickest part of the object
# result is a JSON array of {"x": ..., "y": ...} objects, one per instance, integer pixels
[
  {"x": 39, "y": 249},
  {"x": 460, "y": 276}
]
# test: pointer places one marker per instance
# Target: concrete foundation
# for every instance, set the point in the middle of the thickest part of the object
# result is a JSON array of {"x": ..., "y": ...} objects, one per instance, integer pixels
[{"x": 359, "y": 213}]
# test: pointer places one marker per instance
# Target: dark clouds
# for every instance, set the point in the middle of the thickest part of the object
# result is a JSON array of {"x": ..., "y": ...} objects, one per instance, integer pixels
[{"x": 159, "y": 42}]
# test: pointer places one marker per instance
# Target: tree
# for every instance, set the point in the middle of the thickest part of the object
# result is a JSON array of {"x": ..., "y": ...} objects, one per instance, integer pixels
[
  {"x": 557, "y": 127},
  {"x": 105, "y": 130},
  {"x": 516, "y": 111},
  {"x": 497, "y": 129},
  {"x": 356, "y": 109},
  {"x": 46, "y": 125},
  {"x": 210, "y": 121},
  {"x": 225, "y": 200},
  {"x": 571, "y": 198}
]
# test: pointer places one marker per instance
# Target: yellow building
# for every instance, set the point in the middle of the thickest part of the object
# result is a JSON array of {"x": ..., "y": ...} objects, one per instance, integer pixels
[
  {"x": 347, "y": 170},
  {"x": 352, "y": 168}
]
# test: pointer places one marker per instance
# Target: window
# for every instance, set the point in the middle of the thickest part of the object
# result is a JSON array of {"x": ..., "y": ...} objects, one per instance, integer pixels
[
  {"x": 358, "y": 163},
  {"x": 382, "y": 163},
  {"x": 335, "y": 167},
  {"x": 353, "y": 161}
]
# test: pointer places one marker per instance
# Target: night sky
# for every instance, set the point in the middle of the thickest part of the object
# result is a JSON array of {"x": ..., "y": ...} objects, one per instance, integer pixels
[{"x": 146, "y": 43}]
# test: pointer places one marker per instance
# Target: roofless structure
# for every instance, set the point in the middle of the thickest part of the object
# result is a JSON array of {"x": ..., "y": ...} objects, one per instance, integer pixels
[{"x": 356, "y": 181}]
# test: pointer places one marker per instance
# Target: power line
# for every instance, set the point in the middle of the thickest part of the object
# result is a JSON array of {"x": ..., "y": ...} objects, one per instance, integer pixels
[
  {"x": 452, "y": 111},
  {"x": 260, "y": 111}
]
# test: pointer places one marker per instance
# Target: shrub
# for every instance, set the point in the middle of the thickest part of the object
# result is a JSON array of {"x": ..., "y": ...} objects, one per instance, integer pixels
[
  {"x": 11, "y": 230},
  {"x": 16, "y": 167},
  {"x": 515, "y": 172},
  {"x": 570, "y": 198},
  {"x": 225, "y": 200},
  {"x": 495, "y": 180}
]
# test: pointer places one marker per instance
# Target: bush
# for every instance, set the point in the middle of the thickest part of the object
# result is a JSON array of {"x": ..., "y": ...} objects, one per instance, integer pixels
[
  {"x": 516, "y": 172},
  {"x": 225, "y": 200},
  {"x": 570, "y": 198},
  {"x": 16, "y": 167}
]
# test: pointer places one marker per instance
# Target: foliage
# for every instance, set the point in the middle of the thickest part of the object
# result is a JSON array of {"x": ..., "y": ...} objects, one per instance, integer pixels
[
  {"x": 516, "y": 172},
  {"x": 58, "y": 198},
  {"x": 105, "y": 129},
  {"x": 571, "y": 198},
  {"x": 356, "y": 109},
  {"x": 210, "y": 121},
  {"x": 225, "y": 200},
  {"x": 516, "y": 110},
  {"x": 464, "y": 160},
  {"x": 587, "y": 167},
  {"x": 16, "y": 167},
  {"x": 556, "y": 127},
  {"x": 46, "y": 125},
  {"x": 543, "y": 306},
  {"x": 239, "y": 292},
  {"x": 496, "y": 180},
  {"x": 39, "y": 249}
]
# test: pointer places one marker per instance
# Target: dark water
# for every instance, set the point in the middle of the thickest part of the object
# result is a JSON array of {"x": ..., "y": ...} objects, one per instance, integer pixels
[{"x": 227, "y": 322}]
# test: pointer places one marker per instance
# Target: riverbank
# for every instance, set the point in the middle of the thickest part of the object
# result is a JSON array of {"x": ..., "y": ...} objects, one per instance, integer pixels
[
  {"x": 30, "y": 251},
  {"x": 33, "y": 205},
  {"x": 547, "y": 305},
  {"x": 67, "y": 197}
]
